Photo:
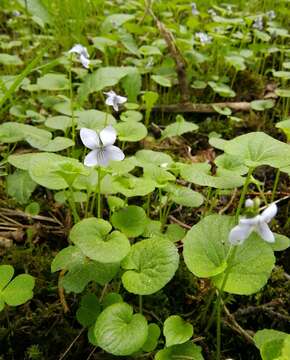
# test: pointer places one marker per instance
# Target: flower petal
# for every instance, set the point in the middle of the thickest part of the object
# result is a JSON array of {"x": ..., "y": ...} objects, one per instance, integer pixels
[
  {"x": 264, "y": 231},
  {"x": 108, "y": 136},
  {"x": 92, "y": 158},
  {"x": 77, "y": 49},
  {"x": 239, "y": 234},
  {"x": 250, "y": 221},
  {"x": 90, "y": 138},
  {"x": 114, "y": 153},
  {"x": 85, "y": 61},
  {"x": 270, "y": 212},
  {"x": 121, "y": 99}
]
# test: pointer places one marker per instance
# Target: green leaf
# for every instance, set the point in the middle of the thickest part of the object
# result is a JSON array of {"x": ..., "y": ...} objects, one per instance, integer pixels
[
  {"x": 131, "y": 220},
  {"x": 53, "y": 82},
  {"x": 131, "y": 131},
  {"x": 21, "y": 161},
  {"x": 81, "y": 274},
  {"x": 152, "y": 338},
  {"x": 132, "y": 185},
  {"x": 161, "y": 80},
  {"x": 132, "y": 83},
  {"x": 20, "y": 186},
  {"x": 184, "y": 196},
  {"x": 262, "y": 105},
  {"x": 101, "y": 43},
  {"x": 222, "y": 89},
  {"x": 273, "y": 344},
  {"x": 145, "y": 157},
  {"x": 54, "y": 171},
  {"x": 263, "y": 336},
  {"x": 89, "y": 310},
  {"x": 92, "y": 237},
  {"x": 110, "y": 299},
  {"x": 67, "y": 258},
  {"x": 231, "y": 163},
  {"x": 281, "y": 243},
  {"x": 238, "y": 62},
  {"x": 285, "y": 126},
  {"x": 94, "y": 119},
  {"x": 188, "y": 351},
  {"x": 10, "y": 60},
  {"x": 115, "y": 21},
  {"x": 150, "y": 265},
  {"x": 148, "y": 50},
  {"x": 258, "y": 148},
  {"x": 57, "y": 144},
  {"x": 199, "y": 173},
  {"x": 158, "y": 174},
  {"x": 176, "y": 330},
  {"x": 102, "y": 78},
  {"x": 282, "y": 92},
  {"x": 131, "y": 115},
  {"x": 119, "y": 332},
  {"x": 175, "y": 232},
  {"x": 17, "y": 291},
  {"x": 150, "y": 98},
  {"x": 178, "y": 128},
  {"x": 205, "y": 252}
]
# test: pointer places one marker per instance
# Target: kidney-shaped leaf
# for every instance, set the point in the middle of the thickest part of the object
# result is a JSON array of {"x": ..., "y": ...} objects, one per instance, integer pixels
[
  {"x": 258, "y": 148},
  {"x": 119, "y": 332},
  {"x": 176, "y": 330},
  {"x": 94, "y": 239},
  {"x": 184, "y": 351},
  {"x": 150, "y": 265},
  {"x": 131, "y": 220},
  {"x": 205, "y": 252}
]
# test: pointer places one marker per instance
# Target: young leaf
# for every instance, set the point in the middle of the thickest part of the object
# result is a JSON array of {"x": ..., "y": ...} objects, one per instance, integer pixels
[
  {"x": 131, "y": 220},
  {"x": 150, "y": 265},
  {"x": 119, "y": 332},
  {"x": 176, "y": 330}
]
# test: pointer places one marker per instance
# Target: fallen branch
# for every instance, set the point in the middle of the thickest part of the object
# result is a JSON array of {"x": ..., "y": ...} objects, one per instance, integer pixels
[
  {"x": 235, "y": 326},
  {"x": 177, "y": 57},
  {"x": 188, "y": 107}
]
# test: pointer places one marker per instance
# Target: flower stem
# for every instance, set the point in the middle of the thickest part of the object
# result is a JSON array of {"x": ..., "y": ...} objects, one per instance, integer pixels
[
  {"x": 277, "y": 177},
  {"x": 99, "y": 192},
  {"x": 229, "y": 258},
  {"x": 71, "y": 98},
  {"x": 72, "y": 205}
]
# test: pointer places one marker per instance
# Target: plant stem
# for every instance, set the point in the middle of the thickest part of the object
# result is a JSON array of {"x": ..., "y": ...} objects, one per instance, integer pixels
[
  {"x": 72, "y": 205},
  {"x": 99, "y": 192},
  {"x": 71, "y": 99},
  {"x": 230, "y": 258},
  {"x": 277, "y": 177},
  {"x": 140, "y": 304}
]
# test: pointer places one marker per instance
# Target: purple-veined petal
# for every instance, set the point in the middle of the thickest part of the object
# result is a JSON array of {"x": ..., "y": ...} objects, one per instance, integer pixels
[
  {"x": 264, "y": 231},
  {"x": 270, "y": 212},
  {"x": 114, "y": 153},
  {"x": 92, "y": 158},
  {"x": 108, "y": 136},
  {"x": 90, "y": 138},
  {"x": 239, "y": 234},
  {"x": 85, "y": 61}
]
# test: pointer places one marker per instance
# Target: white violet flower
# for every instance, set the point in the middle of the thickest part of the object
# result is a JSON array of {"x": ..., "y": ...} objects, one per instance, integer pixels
[
  {"x": 194, "y": 10},
  {"x": 114, "y": 100},
  {"x": 249, "y": 203},
  {"x": 83, "y": 54},
  {"x": 204, "y": 38},
  {"x": 258, "y": 23},
  {"x": 101, "y": 145},
  {"x": 271, "y": 14},
  {"x": 258, "y": 224}
]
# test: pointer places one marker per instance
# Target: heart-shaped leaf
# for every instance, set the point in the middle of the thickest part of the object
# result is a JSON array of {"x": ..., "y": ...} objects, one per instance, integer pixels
[
  {"x": 131, "y": 220},
  {"x": 17, "y": 291},
  {"x": 184, "y": 351},
  {"x": 93, "y": 238},
  {"x": 176, "y": 330},
  {"x": 178, "y": 128},
  {"x": 199, "y": 173},
  {"x": 88, "y": 310},
  {"x": 150, "y": 265},
  {"x": 258, "y": 148},
  {"x": 119, "y": 332},
  {"x": 152, "y": 338},
  {"x": 205, "y": 252}
]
